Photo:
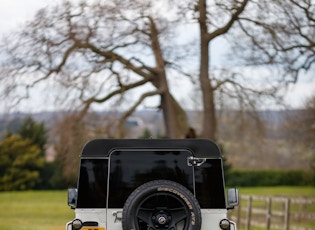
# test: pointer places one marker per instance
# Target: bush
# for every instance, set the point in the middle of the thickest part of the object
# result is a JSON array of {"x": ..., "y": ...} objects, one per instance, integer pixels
[
  {"x": 52, "y": 177},
  {"x": 20, "y": 164},
  {"x": 251, "y": 178}
]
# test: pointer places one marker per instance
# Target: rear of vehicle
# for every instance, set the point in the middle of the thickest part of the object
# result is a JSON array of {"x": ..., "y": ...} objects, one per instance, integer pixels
[{"x": 151, "y": 184}]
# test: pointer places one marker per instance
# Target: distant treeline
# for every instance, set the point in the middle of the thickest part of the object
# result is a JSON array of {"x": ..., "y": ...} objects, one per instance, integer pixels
[{"x": 252, "y": 178}]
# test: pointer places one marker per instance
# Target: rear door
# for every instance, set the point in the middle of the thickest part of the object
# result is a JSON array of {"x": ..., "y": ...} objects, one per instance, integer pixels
[{"x": 130, "y": 168}]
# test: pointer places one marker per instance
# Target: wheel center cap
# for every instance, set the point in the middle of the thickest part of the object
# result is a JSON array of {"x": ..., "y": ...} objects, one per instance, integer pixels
[{"x": 162, "y": 220}]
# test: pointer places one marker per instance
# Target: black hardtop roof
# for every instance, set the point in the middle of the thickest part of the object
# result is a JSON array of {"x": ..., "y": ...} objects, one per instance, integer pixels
[{"x": 202, "y": 148}]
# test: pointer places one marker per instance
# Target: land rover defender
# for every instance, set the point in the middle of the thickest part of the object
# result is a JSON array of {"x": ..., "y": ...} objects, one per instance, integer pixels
[{"x": 151, "y": 184}]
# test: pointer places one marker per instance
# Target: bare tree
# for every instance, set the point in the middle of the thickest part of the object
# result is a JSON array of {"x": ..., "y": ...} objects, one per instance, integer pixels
[
  {"x": 107, "y": 51},
  {"x": 98, "y": 52},
  {"x": 207, "y": 34},
  {"x": 68, "y": 137},
  {"x": 299, "y": 130},
  {"x": 278, "y": 35},
  {"x": 309, "y": 123}
]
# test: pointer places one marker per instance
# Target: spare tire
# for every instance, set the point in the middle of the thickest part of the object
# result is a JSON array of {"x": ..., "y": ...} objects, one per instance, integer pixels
[{"x": 161, "y": 204}]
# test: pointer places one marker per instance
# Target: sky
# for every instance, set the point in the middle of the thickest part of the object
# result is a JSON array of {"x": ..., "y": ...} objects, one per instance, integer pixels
[{"x": 13, "y": 13}]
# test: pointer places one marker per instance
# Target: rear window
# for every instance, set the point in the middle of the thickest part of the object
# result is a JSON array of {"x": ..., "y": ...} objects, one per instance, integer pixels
[
  {"x": 209, "y": 182},
  {"x": 92, "y": 187},
  {"x": 130, "y": 169}
]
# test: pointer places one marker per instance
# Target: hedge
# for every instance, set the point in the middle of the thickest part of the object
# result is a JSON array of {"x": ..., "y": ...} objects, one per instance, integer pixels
[{"x": 253, "y": 178}]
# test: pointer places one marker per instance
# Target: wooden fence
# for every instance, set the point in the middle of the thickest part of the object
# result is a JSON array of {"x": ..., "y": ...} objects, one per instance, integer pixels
[{"x": 274, "y": 213}]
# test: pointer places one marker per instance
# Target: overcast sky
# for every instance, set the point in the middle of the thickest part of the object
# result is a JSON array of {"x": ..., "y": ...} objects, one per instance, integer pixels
[{"x": 13, "y": 13}]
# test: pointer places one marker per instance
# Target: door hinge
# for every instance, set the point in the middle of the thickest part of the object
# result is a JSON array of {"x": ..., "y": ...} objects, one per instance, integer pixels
[
  {"x": 117, "y": 215},
  {"x": 194, "y": 161}
]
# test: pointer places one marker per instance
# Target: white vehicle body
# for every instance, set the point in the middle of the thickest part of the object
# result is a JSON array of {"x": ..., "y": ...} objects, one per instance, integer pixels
[
  {"x": 152, "y": 185},
  {"x": 112, "y": 218}
]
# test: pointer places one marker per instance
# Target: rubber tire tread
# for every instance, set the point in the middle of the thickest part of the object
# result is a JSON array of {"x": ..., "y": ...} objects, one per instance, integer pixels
[{"x": 152, "y": 187}]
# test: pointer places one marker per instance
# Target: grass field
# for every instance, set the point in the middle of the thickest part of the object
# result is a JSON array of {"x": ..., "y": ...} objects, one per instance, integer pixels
[
  {"x": 300, "y": 211},
  {"x": 37, "y": 210},
  {"x": 34, "y": 210}
]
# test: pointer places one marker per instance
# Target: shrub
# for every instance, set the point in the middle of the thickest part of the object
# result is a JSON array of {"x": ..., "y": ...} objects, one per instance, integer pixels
[{"x": 270, "y": 178}]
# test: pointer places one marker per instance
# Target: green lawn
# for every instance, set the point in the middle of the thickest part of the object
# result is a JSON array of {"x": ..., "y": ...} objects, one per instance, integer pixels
[
  {"x": 37, "y": 210},
  {"x": 34, "y": 210},
  {"x": 259, "y": 207}
]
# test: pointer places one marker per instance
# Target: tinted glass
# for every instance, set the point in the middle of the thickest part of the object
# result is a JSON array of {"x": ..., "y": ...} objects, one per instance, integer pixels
[
  {"x": 209, "y": 184},
  {"x": 130, "y": 169},
  {"x": 92, "y": 183}
]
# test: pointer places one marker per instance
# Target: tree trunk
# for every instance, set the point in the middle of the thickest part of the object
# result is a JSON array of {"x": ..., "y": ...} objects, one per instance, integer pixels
[
  {"x": 209, "y": 118},
  {"x": 175, "y": 119}
]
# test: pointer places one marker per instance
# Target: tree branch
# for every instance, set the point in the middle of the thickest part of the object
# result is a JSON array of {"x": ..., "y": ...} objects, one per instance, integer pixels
[
  {"x": 229, "y": 24},
  {"x": 133, "y": 108}
]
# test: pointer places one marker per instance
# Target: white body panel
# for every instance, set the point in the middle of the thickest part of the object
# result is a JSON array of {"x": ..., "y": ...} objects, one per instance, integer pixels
[{"x": 110, "y": 219}]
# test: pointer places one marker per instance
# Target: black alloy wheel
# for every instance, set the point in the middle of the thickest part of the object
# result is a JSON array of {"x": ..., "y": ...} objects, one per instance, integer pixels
[{"x": 161, "y": 205}]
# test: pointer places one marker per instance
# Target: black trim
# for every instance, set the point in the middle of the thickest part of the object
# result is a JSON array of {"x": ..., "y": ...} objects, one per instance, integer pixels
[
  {"x": 90, "y": 223},
  {"x": 199, "y": 147}
]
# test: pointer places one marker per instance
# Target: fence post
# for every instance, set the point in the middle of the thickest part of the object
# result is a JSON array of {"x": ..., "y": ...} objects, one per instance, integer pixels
[
  {"x": 287, "y": 214},
  {"x": 249, "y": 212},
  {"x": 239, "y": 210},
  {"x": 268, "y": 213}
]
